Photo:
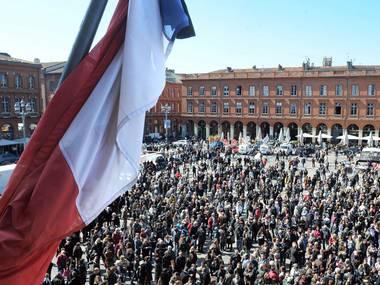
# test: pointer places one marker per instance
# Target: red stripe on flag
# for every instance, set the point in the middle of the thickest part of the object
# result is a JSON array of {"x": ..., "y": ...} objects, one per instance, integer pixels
[
  {"x": 31, "y": 231},
  {"x": 36, "y": 210}
]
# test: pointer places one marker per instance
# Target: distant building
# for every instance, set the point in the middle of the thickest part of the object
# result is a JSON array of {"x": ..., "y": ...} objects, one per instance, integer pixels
[
  {"x": 308, "y": 98},
  {"x": 52, "y": 72},
  {"x": 171, "y": 97},
  {"x": 19, "y": 80}
]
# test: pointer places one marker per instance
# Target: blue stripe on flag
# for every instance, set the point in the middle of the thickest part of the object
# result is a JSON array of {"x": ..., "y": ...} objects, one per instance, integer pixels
[{"x": 176, "y": 22}]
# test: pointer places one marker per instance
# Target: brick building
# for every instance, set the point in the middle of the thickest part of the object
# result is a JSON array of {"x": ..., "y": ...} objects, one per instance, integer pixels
[
  {"x": 327, "y": 98},
  {"x": 171, "y": 96},
  {"x": 52, "y": 72},
  {"x": 19, "y": 80}
]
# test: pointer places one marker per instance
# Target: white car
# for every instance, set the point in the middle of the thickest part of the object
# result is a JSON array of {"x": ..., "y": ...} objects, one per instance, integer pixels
[
  {"x": 265, "y": 149},
  {"x": 286, "y": 148},
  {"x": 180, "y": 142},
  {"x": 245, "y": 148}
]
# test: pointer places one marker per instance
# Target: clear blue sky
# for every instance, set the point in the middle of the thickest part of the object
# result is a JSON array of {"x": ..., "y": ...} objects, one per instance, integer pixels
[{"x": 238, "y": 33}]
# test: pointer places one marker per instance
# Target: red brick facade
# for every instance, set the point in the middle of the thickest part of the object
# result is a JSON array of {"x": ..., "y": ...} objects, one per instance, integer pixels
[
  {"x": 278, "y": 98},
  {"x": 19, "y": 79},
  {"x": 171, "y": 96}
]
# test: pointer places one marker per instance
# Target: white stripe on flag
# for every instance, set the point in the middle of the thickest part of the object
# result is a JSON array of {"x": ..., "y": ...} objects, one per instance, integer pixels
[{"x": 103, "y": 144}]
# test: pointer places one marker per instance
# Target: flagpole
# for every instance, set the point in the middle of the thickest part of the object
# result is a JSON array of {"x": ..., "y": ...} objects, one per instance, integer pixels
[{"x": 85, "y": 36}]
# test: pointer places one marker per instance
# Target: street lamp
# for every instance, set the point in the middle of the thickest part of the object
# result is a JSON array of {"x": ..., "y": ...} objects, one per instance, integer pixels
[
  {"x": 166, "y": 109},
  {"x": 23, "y": 109}
]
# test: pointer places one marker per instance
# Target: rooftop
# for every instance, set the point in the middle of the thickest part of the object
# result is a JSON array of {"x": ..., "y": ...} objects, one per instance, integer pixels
[
  {"x": 55, "y": 67},
  {"x": 306, "y": 70},
  {"x": 6, "y": 57}
]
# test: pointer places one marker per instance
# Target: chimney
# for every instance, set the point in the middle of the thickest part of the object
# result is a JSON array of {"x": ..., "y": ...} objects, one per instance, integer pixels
[
  {"x": 349, "y": 65},
  {"x": 327, "y": 61},
  {"x": 306, "y": 65}
]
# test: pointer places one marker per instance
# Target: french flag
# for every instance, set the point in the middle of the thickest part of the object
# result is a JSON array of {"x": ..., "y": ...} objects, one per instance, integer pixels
[{"x": 86, "y": 149}]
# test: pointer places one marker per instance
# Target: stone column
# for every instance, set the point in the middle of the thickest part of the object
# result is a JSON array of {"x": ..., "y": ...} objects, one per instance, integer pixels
[
  {"x": 220, "y": 130},
  {"x": 244, "y": 131},
  {"x": 314, "y": 133},
  {"x": 207, "y": 130},
  {"x": 196, "y": 130},
  {"x": 257, "y": 131},
  {"x": 270, "y": 131},
  {"x": 360, "y": 136},
  {"x": 184, "y": 130},
  {"x": 232, "y": 129},
  {"x": 329, "y": 133}
]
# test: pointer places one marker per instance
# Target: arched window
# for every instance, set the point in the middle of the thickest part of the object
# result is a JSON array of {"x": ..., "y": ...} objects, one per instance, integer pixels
[
  {"x": 5, "y": 104},
  {"x": 33, "y": 105},
  {"x": 31, "y": 82},
  {"x": 18, "y": 81},
  {"x": 3, "y": 80}
]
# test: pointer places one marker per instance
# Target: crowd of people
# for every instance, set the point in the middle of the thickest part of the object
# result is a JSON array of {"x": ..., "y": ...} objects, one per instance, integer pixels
[{"x": 213, "y": 218}]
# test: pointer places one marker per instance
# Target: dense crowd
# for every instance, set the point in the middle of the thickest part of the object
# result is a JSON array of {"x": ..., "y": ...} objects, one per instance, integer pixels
[{"x": 211, "y": 218}]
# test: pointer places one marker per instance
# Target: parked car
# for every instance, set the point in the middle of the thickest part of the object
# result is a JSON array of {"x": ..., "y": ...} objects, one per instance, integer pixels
[
  {"x": 352, "y": 150},
  {"x": 181, "y": 142},
  {"x": 8, "y": 158},
  {"x": 305, "y": 151},
  {"x": 285, "y": 148},
  {"x": 265, "y": 149},
  {"x": 216, "y": 145},
  {"x": 245, "y": 148}
]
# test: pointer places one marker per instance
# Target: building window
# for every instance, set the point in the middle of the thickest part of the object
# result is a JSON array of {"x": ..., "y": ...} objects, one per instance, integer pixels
[
  {"x": 323, "y": 90},
  {"x": 278, "y": 108},
  {"x": 308, "y": 91},
  {"x": 202, "y": 107},
  {"x": 18, "y": 81},
  {"x": 189, "y": 91},
  {"x": 293, "y": 109},
  {"x": 252, "y": 90},
  {"x": 307, "y": 109},
  {"x": 371, "y": 90},
  {"x": 213, "y": 91},
  {"x": 251, "y": 108},
  {"x": 370, "y": 109},
  {"x": 214, "y": 107},
  {"x": 3, "y": 80},
  {"x": 189, "y": 106},
  {"x": 226, "y": 107},
  {"x": 31, "y": 82},
  {"x": 355, "y": 90},
  {"x": 53, "y": 85},
  {"x": 265, "y": 90},
  {"x": 279, "y": 90},
  {"x": 202, "y": 91},
  {"x": 33, "y": 104},
  {"x": 226, "y": 90},
  {"x": 5, "y": 104},
  {"x": 238, "y": 90},
  {"x": 338, "y": 109},
  {"x": 339, "y": 90},
  {"x": 354, "y": 109},
  {"x": 265, "y": 110},
  {"x": 322, "y": 109},
  {"x": 293, "y": 90},
  {"x": 238, "y": 108}
]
